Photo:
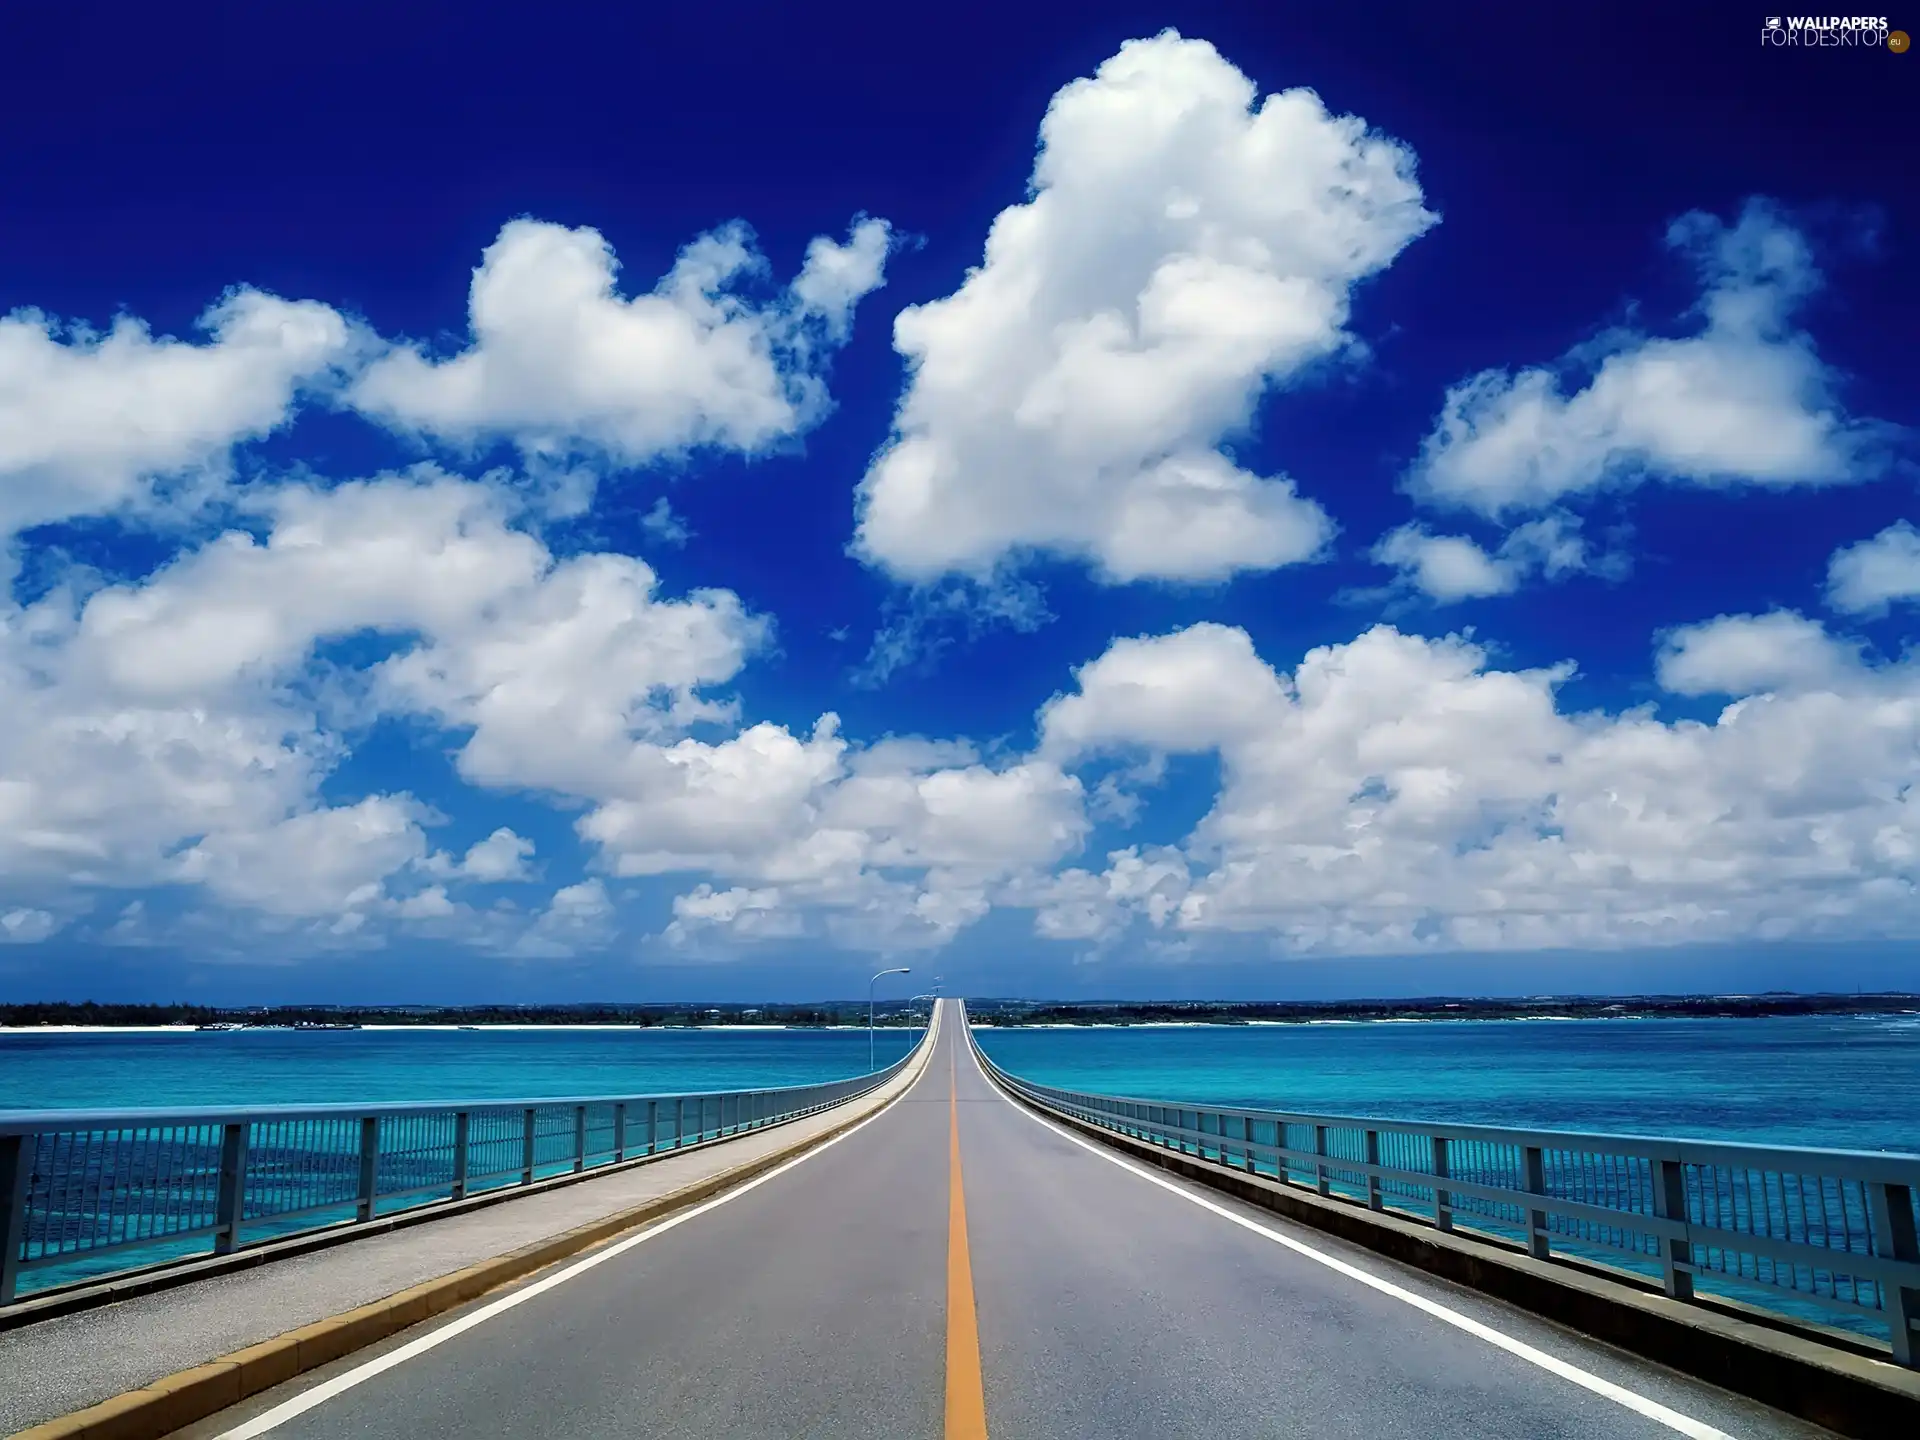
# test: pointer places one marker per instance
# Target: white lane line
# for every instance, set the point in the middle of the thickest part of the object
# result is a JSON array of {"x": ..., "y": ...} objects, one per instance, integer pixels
[
  {"x": 1619, "y": 1394},
  {"x": 360, "y": 1374}
]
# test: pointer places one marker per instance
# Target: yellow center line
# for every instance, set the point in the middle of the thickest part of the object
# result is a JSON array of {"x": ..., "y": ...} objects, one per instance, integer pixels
[{"x": 966, "y": 1400}]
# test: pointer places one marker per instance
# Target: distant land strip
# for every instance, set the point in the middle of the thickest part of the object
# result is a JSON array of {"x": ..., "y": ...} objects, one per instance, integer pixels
[{"x": 1001, "y": 1012}]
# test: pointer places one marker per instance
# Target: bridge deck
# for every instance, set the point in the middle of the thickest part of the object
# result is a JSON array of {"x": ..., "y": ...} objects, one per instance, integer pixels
[{"x": 820, "y": 1303}]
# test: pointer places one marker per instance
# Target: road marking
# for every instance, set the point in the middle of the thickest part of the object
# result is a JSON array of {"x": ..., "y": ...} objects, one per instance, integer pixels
[
  {"x": 319, "y": 1395},
  {"x": 1619, "y": 1394},
  {"x": 966, "y": 1398}
]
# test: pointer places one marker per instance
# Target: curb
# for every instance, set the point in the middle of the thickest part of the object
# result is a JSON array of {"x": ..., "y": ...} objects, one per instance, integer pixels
[
  {"x": 188, "y": 1395},
  {"x": 1844, "y": 1391}
]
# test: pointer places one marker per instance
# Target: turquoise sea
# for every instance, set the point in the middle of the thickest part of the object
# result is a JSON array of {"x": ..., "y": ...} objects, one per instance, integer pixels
[
  {"x": 76, "y": 1070},
  {"x": 1850, "y": 1082}
]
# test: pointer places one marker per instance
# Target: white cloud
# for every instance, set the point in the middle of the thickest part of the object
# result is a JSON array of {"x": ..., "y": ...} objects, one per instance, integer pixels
[
  {"x": 1202, "y": 688},
  {"x": 1751, "y": 654},
  {"x": 419, "y": 553},
  {"x": 554, "y": 680},
  {"x": 1396, "y": 794},
  {"x": 432, "y": 903},
  {"x": 22, "y": 926},
  {"x": 1080, "y": 905},
  {"x": 1184, "y": 249},
  {"x": 172, "y": 731},
  {"x": 321, "y": 862},
  {"x": 560, "y": 363},
  {"x": 1865, "y": 579},
  {"x": 175, "y": 731},
  {"x": 578, "y": 918},
  {"x": 1446, "y": 568},
  {"x": 742, "y": 913},
  {"x": 1746, "y": 400},
  {"x": 102, "y": 789},
  {"x": 664, "y": 526},
  {"x": 89, "y": 420},
  {"x": 893, "y": 846},
  {"x": 836, "y": 277},
  {"x": 501, "y": 857}
]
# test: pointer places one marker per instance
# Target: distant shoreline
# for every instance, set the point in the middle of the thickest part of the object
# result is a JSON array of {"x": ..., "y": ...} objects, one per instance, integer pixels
[
  {"x": 1009, "y": 1015},
  {"x": 75, "y": 1019}
]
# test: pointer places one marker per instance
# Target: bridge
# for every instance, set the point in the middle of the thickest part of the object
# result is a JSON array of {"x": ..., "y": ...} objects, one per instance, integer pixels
[{"x": 940, "y": 1250}]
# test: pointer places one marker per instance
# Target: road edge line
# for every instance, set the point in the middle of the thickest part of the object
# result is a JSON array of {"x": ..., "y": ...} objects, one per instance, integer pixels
[{"x": 165, "y": 1405}]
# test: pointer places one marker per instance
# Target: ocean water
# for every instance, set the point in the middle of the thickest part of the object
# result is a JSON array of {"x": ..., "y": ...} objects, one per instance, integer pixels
[
  {"x": 1847, "y": 1082},
  {"x": 72, "y": 1070},
  {"x": 1840, "y": 1082}
]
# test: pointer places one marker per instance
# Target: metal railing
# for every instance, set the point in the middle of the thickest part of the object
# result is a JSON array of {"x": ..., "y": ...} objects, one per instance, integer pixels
[
  {"x": 1774, "y": 1226},
  {"x": 78, "y": 1188}
]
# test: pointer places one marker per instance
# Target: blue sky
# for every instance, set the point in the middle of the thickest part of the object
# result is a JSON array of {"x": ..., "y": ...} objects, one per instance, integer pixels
[{"x": 572, "y": 503}]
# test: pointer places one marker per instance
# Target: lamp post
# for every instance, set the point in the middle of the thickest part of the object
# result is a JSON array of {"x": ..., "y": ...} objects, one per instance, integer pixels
[{"x": 897, "y": 970}]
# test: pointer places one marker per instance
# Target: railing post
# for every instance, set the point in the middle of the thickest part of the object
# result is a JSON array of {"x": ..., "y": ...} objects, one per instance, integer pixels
[
  {"x": 653, "y": 1126},
  {"x": 1539, "y": 1239},
  {"x": 17, "y": 1154},
  {"x": 619, "y": 1131},
  {"x": 462, "y": 1136},
  {"x": 1322, "y": 1176},
  {"x": 230, "y": 1200},
  {"x": 679, "y": 1122},
  {"x": 1375, "y": 1200},
  {"x": 1246, "y": 1136},
  {"x": 1442, "y": 1197},
  {"x": 369, "y": 1166},
  {"x": 526, "y": 1147},
  {"x": 579, "y": 1138},
  {"x": 1670, "y": 1203},
  {"x": 1894, "y": 1239}
]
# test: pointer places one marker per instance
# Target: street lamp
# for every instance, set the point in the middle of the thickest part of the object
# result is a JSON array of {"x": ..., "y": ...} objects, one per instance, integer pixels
[{"x": 898, "y": 970}]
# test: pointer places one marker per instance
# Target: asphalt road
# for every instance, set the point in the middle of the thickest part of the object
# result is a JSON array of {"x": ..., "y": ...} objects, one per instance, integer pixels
[{"x": 817, "y": 1304}]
